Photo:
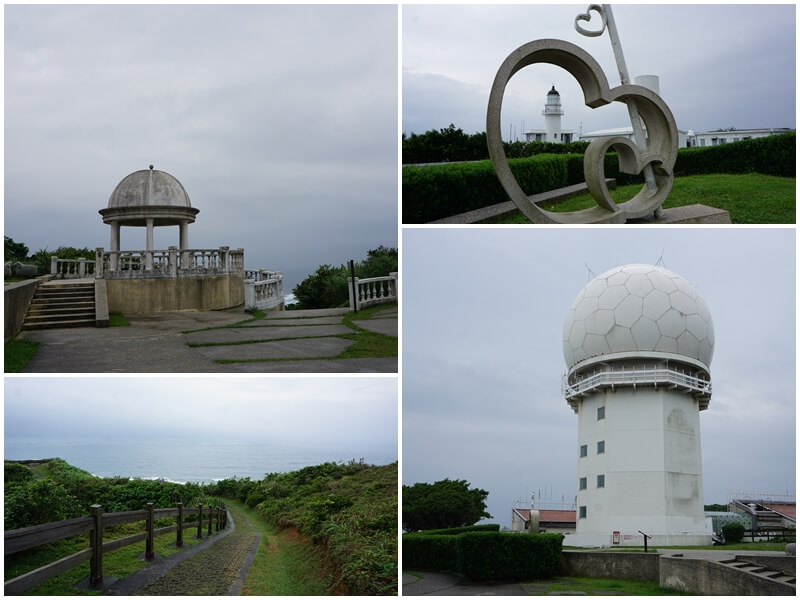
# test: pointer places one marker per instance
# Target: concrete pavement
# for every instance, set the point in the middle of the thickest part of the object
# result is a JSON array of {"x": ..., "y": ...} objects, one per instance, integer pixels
[{"x": 282, "y": 342}]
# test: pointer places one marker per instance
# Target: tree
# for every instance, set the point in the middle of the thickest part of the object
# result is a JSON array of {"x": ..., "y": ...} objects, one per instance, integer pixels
[
  {"x": 446, "y": 503},
  {"x": 327, "y": 287},
  {"x": 14, "y": 251}
]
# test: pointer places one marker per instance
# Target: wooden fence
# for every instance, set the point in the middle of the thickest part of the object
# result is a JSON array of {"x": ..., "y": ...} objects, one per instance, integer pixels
[
  {"x": 17, "y": 540},
  {"x": 780, "y": 535}
]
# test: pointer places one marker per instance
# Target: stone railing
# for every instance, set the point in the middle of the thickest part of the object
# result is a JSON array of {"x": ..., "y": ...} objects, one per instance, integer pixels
[
  {"x": 65, "y": 268},
  {"x": 134, "y": 264},
  {"x": 374, "y": 290},
  {"x": 263, "y": 290}
]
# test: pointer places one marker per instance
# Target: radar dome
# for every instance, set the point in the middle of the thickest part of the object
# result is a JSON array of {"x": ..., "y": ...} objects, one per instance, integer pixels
[{"x": 638, "y": 310}]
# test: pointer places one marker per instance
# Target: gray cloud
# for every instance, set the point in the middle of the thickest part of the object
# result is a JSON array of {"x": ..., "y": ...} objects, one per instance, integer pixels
[
  {"x": 725, "y": 75},
  {"x": 280, "y": 121}
]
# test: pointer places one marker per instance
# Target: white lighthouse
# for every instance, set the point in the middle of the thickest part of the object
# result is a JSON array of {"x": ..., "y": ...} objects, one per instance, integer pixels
[
  {"x": 638, "y": 342},
  {"x": 552, "y": 117}
]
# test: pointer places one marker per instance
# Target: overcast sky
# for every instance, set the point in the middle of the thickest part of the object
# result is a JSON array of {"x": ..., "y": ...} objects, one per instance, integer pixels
[
  {"x": 342, "y": 411},
  {"x": 719, "y": 65},
  {"x": 482, "y": 353},
  {"x": 280, "y": 122}
]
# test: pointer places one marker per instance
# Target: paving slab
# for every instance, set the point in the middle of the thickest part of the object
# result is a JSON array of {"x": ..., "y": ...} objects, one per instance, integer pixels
[
  {"x": 343, "y": 365},
  {"x": 333, "y": 320},
  {"x": 241, "y": 334},
  {"x": 384, "y": 326},
  {"x": 306, "y": 348},
  {"x": 315, "y": 312},
  {"x": 445, "y": 584}
]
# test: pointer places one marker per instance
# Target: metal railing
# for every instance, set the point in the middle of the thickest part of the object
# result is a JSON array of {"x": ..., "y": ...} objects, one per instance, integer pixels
[{"x": 635, "y": 377}]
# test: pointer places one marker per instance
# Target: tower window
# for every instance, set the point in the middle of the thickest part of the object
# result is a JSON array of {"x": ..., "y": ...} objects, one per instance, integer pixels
[
  {"x": 584, "y": 450},
  {"x": 601, "y": 481},
  {"x": 582, "y": 484},
  {"x": 601, "y": 446},
  {"x": 601, "y": 413},
  {"x": 582, "y": 512}
]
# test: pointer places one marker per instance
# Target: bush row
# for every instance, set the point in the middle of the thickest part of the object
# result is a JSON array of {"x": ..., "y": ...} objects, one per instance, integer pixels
[
  {"x": 437, "y": 191},
  {"x": 486, "y": 556},
  {"x": 460, "y": 530}
]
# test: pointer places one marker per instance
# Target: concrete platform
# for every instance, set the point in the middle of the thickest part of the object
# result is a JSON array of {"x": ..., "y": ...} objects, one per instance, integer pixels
[{"x": 697, "y": 214}]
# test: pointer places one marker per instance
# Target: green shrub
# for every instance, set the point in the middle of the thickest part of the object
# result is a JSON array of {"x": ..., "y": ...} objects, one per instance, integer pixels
[
  {"x": 733, "y": 532},
  {"x": 485, "y": 555},
  {"x": 438, "y": 191},
  {"x": 509, "y": 556},
  {"x": 460, "y": 530},
  {"x": 436, "y": 552}
]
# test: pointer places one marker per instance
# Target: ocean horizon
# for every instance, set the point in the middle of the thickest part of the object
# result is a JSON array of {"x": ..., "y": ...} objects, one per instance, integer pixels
[{"x": 184, "y": 460}]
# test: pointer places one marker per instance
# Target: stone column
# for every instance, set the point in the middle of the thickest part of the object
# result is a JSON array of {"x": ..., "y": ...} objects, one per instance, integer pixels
[
  {"x": 183, "y": 242},
  {"x": 148, "y": 261},
  {"x": 114, "y": 245}
]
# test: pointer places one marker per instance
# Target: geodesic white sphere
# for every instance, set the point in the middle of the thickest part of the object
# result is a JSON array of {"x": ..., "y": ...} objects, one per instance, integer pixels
[{"x": 638, "y": 309}]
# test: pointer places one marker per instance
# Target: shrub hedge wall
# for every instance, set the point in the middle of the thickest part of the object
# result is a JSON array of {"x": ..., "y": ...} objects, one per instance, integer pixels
[
  {"x": 460, "y": 530},
  {"x": 486, "y": 555},
  {"x": 439, "y": 191}
]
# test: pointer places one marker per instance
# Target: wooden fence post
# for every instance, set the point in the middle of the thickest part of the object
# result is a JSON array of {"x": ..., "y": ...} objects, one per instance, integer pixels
[
  {"x": 210, "y": 519},
  {"x": 149, "y": 552},
  {"x": 96, "y": 544},
  {"x": 179, "y": 540},
  {"x": 200, "y": 521}
]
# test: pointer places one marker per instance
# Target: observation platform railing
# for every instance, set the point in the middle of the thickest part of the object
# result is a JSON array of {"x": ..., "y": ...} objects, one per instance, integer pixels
[
  {"x": 373, "y": 290},
  {"x": 263, "y": 290},
  {"x": 17, "y": 540},
  {"x": 636, "y": 377}
]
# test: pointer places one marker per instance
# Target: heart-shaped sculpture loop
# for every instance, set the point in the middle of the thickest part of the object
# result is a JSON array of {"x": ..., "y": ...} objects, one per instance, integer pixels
[
  {"x": 658, "y": 120},
  {"x": 587, "y": 16}
]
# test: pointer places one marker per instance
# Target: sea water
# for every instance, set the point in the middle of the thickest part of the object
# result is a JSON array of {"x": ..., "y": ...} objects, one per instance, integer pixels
[{"x": 182, "y": 460}]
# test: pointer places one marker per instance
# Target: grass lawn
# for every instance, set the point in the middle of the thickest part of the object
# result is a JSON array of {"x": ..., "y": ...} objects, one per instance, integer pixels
[
  {"x": 590, "y": 586},
  {"x": 750, "y": 198},
  {"x": 284, "y": 565},
  {"x": 17, "y": 353}
]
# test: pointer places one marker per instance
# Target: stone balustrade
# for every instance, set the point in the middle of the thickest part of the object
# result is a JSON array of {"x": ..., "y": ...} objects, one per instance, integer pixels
[
  {"x": 173, "y": 262},
  {"x": 263, "y": 290},
  {"x": 64, "y": 268},
  {"x": 373, "y": 290}
]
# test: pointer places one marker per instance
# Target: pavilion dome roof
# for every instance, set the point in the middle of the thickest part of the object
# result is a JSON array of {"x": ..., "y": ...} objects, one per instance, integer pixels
[{"x": 149, "y": 187}]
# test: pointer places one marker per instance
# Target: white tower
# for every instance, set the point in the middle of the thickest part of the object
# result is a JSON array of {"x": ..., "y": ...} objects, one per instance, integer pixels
[
  {"x": 552, "y": 117},
  {"x": 638, "y": 343}
]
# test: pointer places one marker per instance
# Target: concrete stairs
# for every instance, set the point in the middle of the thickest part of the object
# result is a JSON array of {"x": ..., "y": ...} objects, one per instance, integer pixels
[
  {"x": 60, "y": 305},
  {"x": 758, "y": 570}
]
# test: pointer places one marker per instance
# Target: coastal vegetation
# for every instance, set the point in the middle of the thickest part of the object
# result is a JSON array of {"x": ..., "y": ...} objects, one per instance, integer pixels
[
  {"x": 327, "y": 286},
  {"x": 336, "y": 523}
]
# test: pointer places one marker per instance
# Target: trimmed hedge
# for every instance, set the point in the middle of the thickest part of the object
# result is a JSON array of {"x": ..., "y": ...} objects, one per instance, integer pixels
[
  {"x": 733, "y": 532},
  {"x": 486, "y": 556},
  {"x": 437, "y": 191},
  {"x": 460, "y": 530}
]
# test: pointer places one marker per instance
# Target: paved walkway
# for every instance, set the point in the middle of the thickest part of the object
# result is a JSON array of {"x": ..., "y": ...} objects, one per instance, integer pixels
[
  {"x": 300, "y": 341},
  {"x": 200, "y": 570},
  {"x": 428, "y": 583}
]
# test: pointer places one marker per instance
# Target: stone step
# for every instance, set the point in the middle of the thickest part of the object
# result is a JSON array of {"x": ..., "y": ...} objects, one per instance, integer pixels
[
  {"x": 60, "y": 316},
  {"x": 59, "y": 292},
  {"x": 59, "y": 324},
  {"x": 39, "y": 305},
  {"x": 86, "y": 308}
]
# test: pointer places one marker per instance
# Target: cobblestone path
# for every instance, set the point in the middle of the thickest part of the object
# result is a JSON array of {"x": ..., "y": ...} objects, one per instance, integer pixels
[{"x": 213, "y": 571}]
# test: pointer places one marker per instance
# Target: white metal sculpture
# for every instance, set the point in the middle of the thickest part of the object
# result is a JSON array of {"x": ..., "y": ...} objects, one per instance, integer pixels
[{"x": 654, "y": 157}]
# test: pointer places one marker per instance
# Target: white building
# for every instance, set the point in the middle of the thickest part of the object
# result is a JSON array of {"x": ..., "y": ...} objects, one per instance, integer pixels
[
  {"x": 715, "y": 138},
  {"x": 638, "y": 342},
  {"x": 552, "y": 131}
]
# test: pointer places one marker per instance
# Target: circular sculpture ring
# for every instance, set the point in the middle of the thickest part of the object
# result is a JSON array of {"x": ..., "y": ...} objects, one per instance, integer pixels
[{"x": 658, "y": 120}]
